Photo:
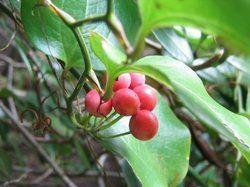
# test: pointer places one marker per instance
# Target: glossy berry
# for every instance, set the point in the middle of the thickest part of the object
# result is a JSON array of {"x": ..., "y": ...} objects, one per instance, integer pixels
[
  {"x": 123, "y": 81},
  {"x": 105, "y": 108},
  {"x": 95, "y": 106},
  {"x": 126, "y": 102},
  {"x": 148, "y": 97},
  {"x": 92, "y": 102},
  {"x": 144, "y": 125},
  {"x": 137, "y": 79}
]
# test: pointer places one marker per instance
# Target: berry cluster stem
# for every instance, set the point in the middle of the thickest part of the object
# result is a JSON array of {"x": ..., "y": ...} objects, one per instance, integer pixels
[
  {"x": 113, "y": 136},
  {"x": 110, "y": 124}
]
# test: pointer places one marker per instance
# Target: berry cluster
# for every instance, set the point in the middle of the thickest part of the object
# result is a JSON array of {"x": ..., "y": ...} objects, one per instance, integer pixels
[{"x": 132, "y": 98}]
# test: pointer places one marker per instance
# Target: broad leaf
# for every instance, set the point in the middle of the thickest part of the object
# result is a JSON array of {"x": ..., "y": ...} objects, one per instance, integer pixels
[
  {"x": 216, "y": 17},
  {"x": 162, "y": 161},
  {"x": 189, "y": 88},
  {"x": 49, "y": 33}
]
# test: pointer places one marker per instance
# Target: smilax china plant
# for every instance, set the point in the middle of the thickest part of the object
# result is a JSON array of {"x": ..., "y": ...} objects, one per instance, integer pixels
[{"x": 162, "y": 84}]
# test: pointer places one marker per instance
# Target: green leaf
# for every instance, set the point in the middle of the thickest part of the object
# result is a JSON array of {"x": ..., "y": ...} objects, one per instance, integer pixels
[
  {"x": 175, "y": 45},
  {"x": 49, "y": 34},
  {"x": 189, "y": 88},
  {"x": 128, "y": 13},
  {"x": 242, "y": 174},
  {"x": 162, "y": 161},
  {"x": 213, "y": 16},
  {"x": 129, "y": 175}
]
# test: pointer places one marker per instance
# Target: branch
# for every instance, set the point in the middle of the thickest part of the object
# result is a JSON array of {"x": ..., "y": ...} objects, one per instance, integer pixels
[
  {"x": 153, "y": 44},
  {"x": 37, "y": 146},
  {"x": 11, "y": 61},
  {"x": 219, "y": 58},
  {"x": 15, "y": 181}
]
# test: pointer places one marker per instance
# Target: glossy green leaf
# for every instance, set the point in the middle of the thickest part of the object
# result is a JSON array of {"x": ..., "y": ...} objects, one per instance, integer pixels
[
  {"x": 49, "y": 33},
  {"x": 162, "y": 161},
  {"x": 193, "y": 94},
  {"x": 213, "y": 16},
  {"x": 174, "y": 44},
  {"x": 189, "y": 88}
]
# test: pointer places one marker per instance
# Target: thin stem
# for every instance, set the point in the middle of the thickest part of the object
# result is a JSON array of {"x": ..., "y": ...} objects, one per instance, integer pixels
[
  {"x": 110, "y": 124},
  {"x": 69, "y": 20},
  {"x": 87, "y": 69},
  {"x": 114, "y": 136},
  {"x": 117, "y": 28},
  {"x": 88, "y": 20},
  {"x": 217, "y": 58},
  {"x": 96, "y": 126}
]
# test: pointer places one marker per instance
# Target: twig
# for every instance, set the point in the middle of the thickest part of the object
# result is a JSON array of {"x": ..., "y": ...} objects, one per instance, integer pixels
[
  {"x": 153, "y": 44},
  {"x": 11, "y": 61},
  {"x": 10, "y": 99},
  {"x": 43, "y": 176},
  {"x": 37, "y": 146},
  {"x": 219, "y": 58},
  {"x": 14, "y": 181},
  {"x": 9, "y": 42}
]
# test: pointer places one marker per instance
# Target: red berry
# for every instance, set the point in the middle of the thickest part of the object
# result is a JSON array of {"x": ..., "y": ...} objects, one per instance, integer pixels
[
  {"x": 137, "y": 79},
  {"x": 105, "y": 108},
  {"x": 96, "y": 106},
  {"x": 144, "y": 125},
  {"x": 92, "y": 102},
  {"x": 123, "y": 81},
  {"x": 126, "y": 102},
  {"x": 148, "y": 97}
]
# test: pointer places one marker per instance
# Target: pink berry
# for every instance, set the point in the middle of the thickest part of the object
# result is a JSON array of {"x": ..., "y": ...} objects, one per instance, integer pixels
[
  {"x": 148, "y": 97},
  {"x": 105, "y": 108},
  {"x": 92, "y": 102},
  {"x": 137, "y": 79},
  {"x": 95, "y": 105},
  {"x": 126, "y": 102},
  {"x": 144, "y": 125},
  {"x": 123, "y": 81}
]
